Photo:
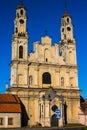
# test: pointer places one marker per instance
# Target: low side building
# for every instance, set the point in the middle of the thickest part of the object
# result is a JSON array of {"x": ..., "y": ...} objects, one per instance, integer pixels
[
  {"x": 10, "y": 111},
  {"x": 83, "y": 113}
]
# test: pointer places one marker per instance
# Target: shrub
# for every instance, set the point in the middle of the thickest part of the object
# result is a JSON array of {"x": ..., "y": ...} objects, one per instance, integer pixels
[{"x": 85, "y": 128}]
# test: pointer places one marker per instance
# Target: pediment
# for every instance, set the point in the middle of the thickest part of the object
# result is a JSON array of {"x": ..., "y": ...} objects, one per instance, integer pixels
[{"x": 50, "y": 94}]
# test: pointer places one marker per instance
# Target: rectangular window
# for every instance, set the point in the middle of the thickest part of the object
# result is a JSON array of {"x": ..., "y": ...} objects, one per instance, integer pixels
[
  {"x": 10, "y": 121},
  {"x": 1, "y": 121}
]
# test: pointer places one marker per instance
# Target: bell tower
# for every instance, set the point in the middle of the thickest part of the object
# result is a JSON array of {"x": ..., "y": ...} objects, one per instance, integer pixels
[
  {"x": 19, "y": 48},
  {"x": 20, "y": 20},
  {"x": 20, "y": 36},
  {"x": 67, "y": 42},
  {"x": 66, "y": 27}
]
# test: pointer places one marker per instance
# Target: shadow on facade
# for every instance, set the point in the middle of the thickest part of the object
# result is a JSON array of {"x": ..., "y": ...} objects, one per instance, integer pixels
[
  {"x": 54, "y": 120},
  {"x": 65, "y": 113},
  {"x": 24, "y": 117}
]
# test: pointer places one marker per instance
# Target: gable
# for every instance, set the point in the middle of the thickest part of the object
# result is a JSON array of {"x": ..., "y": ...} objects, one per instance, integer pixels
[{"x": 9, "y": 103}]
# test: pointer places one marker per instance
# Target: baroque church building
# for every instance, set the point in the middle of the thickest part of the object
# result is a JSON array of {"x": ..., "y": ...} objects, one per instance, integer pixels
[{"x": 46, "y": 80}]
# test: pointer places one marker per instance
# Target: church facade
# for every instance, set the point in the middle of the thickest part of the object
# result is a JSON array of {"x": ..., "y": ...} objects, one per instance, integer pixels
[{"x": 46, "y": 80}]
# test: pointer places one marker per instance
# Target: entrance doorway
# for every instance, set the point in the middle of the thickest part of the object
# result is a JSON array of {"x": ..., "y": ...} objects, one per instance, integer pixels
[{"x": 54, "y": 121}]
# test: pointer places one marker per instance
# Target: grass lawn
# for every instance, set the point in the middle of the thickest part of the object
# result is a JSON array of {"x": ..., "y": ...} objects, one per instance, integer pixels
[{"x": 85, "y": 128}]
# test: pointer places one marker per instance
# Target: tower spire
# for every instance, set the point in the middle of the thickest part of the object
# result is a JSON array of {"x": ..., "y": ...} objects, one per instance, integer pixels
[
  {"x": 21, "y": 4},
  {"x": 65, "y": 9},
  {"x": 65, "y": 6}
]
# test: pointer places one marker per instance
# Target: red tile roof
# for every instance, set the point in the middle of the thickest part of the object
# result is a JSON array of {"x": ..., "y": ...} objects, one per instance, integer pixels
[
  {"x": 9, "y": 103},
  {"x": 66, "y": 14},
  {"x": 84, "y": 107},
  {"x": 21, "y": 5}
]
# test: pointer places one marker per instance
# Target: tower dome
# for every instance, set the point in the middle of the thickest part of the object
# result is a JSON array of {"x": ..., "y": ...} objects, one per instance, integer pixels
[
  {"x": 66, "y": 14},
  {"x": 21, "y": 5}
]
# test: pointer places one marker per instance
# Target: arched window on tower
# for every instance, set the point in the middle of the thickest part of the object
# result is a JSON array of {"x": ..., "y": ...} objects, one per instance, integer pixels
[
  {"x": 20, "y": 51},
  {"x": 72, "y": 81},
  {"x": 46, "y": 78},
  {"x": 62, "y": 81},
  {"x": 21, "y": 12},
  {"x": 71, "y": 57},
  {"x": 16, "y": 29},
  {"x": 46, "y": 55},
  {"x": 68, "y": 20},
  {"x": 30, "y": 80}
]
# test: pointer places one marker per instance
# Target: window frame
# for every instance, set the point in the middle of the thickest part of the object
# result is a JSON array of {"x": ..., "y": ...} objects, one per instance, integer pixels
[
  {"x": 62, "y": 81},
  {"x": 10, "y": 121},
  {"x": 1, "y": 120},
  {"x": 21, "y": 11},
  {"x": 20, "y": 52},
  {"x": 46, "y": 78}
]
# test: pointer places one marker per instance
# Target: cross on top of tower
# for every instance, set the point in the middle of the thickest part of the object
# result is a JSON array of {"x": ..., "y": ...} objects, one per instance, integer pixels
[
  {"x": 21, "y": 1},
  {"x": 65, "y": 6},
  {"x": 65, "y": 10}
]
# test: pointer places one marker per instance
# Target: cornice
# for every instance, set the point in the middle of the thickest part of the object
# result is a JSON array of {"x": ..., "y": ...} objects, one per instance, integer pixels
[
  {"x": 60, "y": 90},
  {"x": 19, "y": 62},
  {"x": 53, "y": 65}
]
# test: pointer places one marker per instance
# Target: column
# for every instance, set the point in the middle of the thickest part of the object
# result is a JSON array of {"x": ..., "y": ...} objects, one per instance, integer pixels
[
  {"x": 36, "y": 77},
  {"x": 36, "y": 110},
  {"x": 67, "y": 78},
  {"x": 47, "y": 113},
  {"x": 57, "y": 77}
]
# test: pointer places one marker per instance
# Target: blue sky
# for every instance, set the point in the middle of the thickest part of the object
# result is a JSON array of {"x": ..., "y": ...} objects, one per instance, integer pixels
[{"x": 44, "y": 15}]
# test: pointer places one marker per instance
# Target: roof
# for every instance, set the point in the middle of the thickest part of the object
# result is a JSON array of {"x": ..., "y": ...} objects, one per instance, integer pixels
[
  {"x": 84, "y": 107},
  {"x": 66, "y": 14},
  {"x": 9, "y": 103},
  {"x": 21, "y": 5}
]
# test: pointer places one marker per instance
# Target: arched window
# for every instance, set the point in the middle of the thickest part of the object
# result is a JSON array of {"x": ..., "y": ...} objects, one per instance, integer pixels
[
  {"x": 21, "y": 12},
  {"x": 46, "y": 78},
  {"x": 21, "y": 52},
  {"x": 71, "y": 81},
  {"x": 46, "y": 60},
  {"x": 16, "y": 29},
  {"x": 62, "y": 81},
  {"x": 68, "y": 20},
  {"x": 54, "y": 107},
  {"x": 71, "y": 57},
  {"x": 46, "y": 55},
  {"x": 30, "y": 80}
]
